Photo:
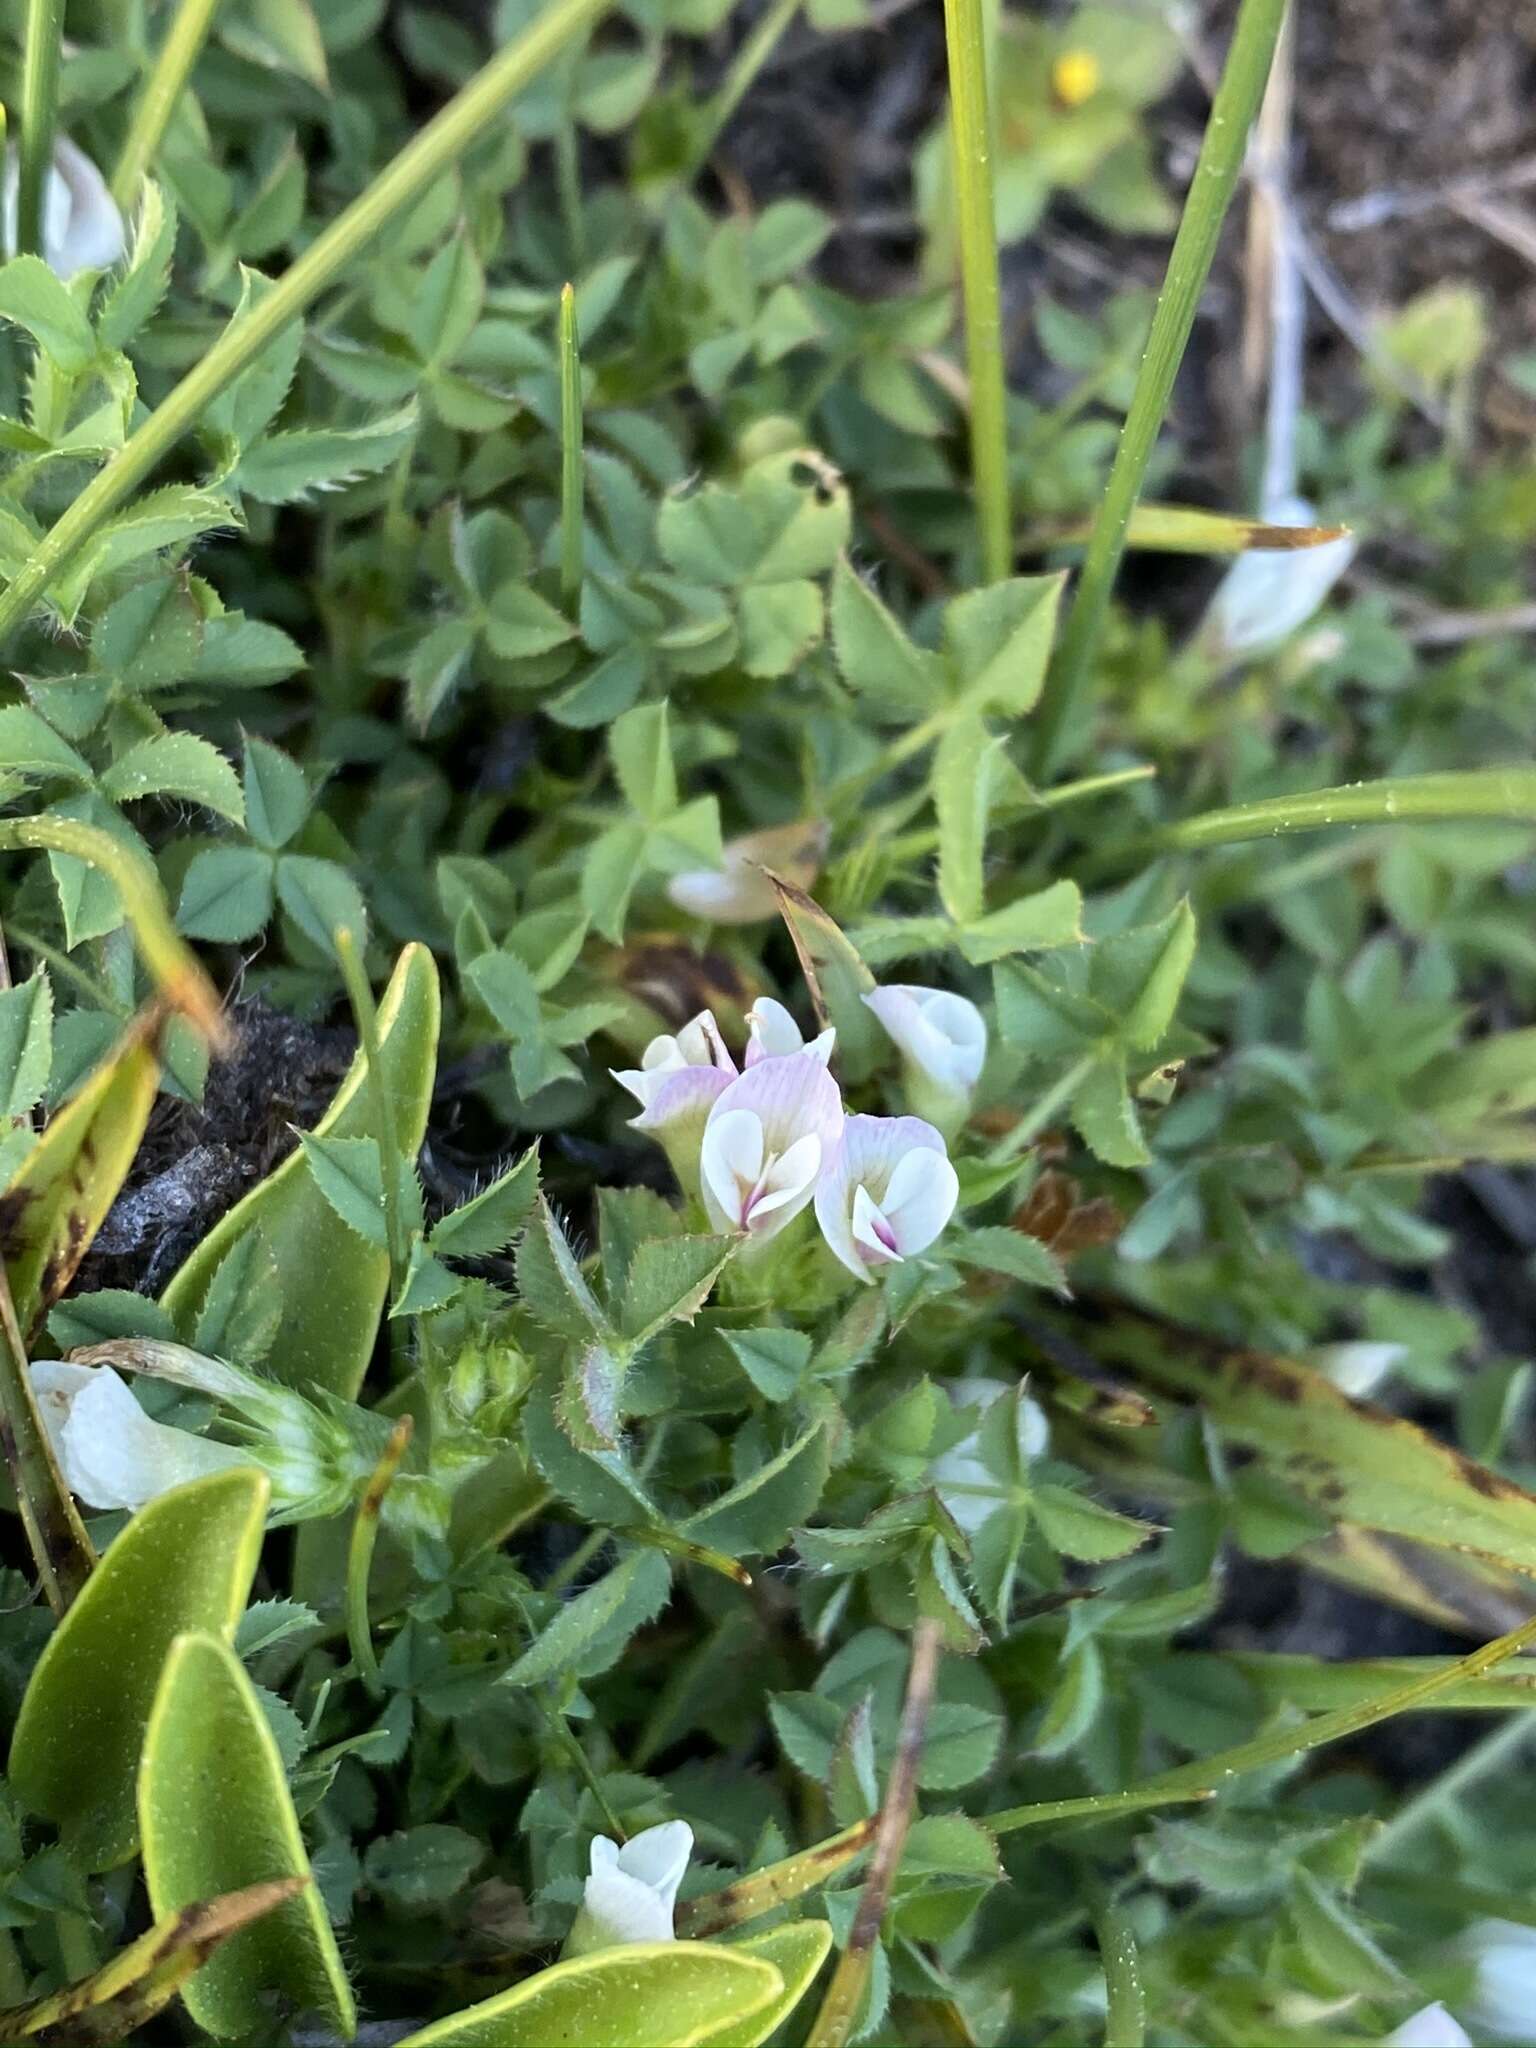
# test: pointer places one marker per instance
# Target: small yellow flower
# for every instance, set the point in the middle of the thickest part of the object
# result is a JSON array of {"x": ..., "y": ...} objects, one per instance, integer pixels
[{"x": 1075, "y": 77}]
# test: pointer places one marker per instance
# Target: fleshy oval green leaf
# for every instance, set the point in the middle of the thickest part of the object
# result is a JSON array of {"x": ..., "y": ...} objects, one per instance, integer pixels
[
  {"x": 797, "y": 1951},
  {"x": 332, "y": 1282},
  {"x": 671, "y": 1994},
  {"x": 185, "y": 1562},
  {"x": 215, "y": 1816}
]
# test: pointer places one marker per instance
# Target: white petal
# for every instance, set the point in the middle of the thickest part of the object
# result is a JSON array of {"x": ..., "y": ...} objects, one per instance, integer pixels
[
  {"x": 731, "y": 1160},
  {"x": 673, "y": 1097},
  {"x": 618, "y": 1908},
  {"x": 869, "y": 1159},
  {"x": 739, "y": 891},
  {"x": 789, "y": 1098},
  {"x": 772, "y": 1031},
  {"x": 92, "y": 236},
  {"x": 700, "y": 1044},
  {"x": 631, "y": 1893},
  {"x": 664, "y": 1055},
  {"x": 920, "y": 1198},
  {"x": 1268, "y": 592},
  {"x": 941, "y": 1034},
  {"x": 786, "y": 1186},
  {"x": 1504, "y": 1993},
  {"x": 643, "y": 1084},
  {"x": 658, "y": 1857},
  {"x": 111, "y": 1453},
  {"x": 1432, "y": 2027}
]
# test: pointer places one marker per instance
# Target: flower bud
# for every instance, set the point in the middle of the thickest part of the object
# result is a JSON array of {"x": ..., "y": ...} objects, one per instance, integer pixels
[
  {"x": 631, "y": 1892},
  {"x": 943, "y": 1043},
  {"x": 739, "y": 891},
  {"x": 82, "y": 228},
  {"x": 886, "y": 1193},
  {"x": 765, "y": 1143}
]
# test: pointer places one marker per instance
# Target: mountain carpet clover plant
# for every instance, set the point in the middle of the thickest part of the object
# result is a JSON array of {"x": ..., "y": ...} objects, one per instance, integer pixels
[{"x": 763, "y": 1274}]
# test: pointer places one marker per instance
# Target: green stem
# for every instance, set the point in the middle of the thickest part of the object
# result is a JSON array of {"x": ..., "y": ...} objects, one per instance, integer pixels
[
  {"x": 737, "y": 83},
  {"x": 1087, "y": 786},
  {"x": 55, "y": 1535},
  {"x": 39, "y": 118},
  {"x": 970, "y": 127},
  {"x": 844, "y": 1996},
  {"x": 568, "y": 1573},
  {"x": 1505, "y": 794},
  {"x": 1029, "y": 1126},
  {"x": 172, "y": 967},
  {"x": 1209, "y": 1775},
  {"x": 1216, "y": 173},
  {"x": 157, "y": 102},
  {"x": 570, "y": 451},
  {"x": 569, "y": 1741},
  {"x": 680, "y": 1547},
  {"x": 365, "y": 1533},
  {"x": 444, "y": 139}
]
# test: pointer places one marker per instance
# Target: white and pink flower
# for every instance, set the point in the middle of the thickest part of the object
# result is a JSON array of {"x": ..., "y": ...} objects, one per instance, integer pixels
[
  {"x": 886, "y": 1193},
  {"x": 942, "y": 1039},
  {"x": 677, "y": 1083},
  {"x": 766, "y": 1141}
]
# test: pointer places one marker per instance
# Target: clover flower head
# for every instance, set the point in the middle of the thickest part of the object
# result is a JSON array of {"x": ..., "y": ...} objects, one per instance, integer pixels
[
  {"x": 765, "y": 1143},
  {"x": 886, "y": 1193}
]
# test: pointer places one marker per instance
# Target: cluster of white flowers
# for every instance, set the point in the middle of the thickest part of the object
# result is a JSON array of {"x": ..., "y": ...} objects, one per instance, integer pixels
[{"x": 760, "y": 1143}]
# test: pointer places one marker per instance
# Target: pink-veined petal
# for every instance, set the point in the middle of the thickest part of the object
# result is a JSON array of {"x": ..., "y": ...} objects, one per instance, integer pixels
[{"x": 920, "y": 1197}]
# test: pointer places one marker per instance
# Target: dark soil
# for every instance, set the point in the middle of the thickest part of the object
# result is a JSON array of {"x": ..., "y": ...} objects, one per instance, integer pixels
[{"x": 197, "y": 1161}]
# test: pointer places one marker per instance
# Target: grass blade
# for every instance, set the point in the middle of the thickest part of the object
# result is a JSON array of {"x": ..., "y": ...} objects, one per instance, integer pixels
[
  {"x": 570, "y": 450},
  {"x": 166, "y": 956},
  {"x": 1221, "y": 157},
  {"x": 1207, "y": 1775},
  {"x": 1505, "y": 794},
  {"x": 157, "y": 102},
  {"x": 970, "y": 128}
]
